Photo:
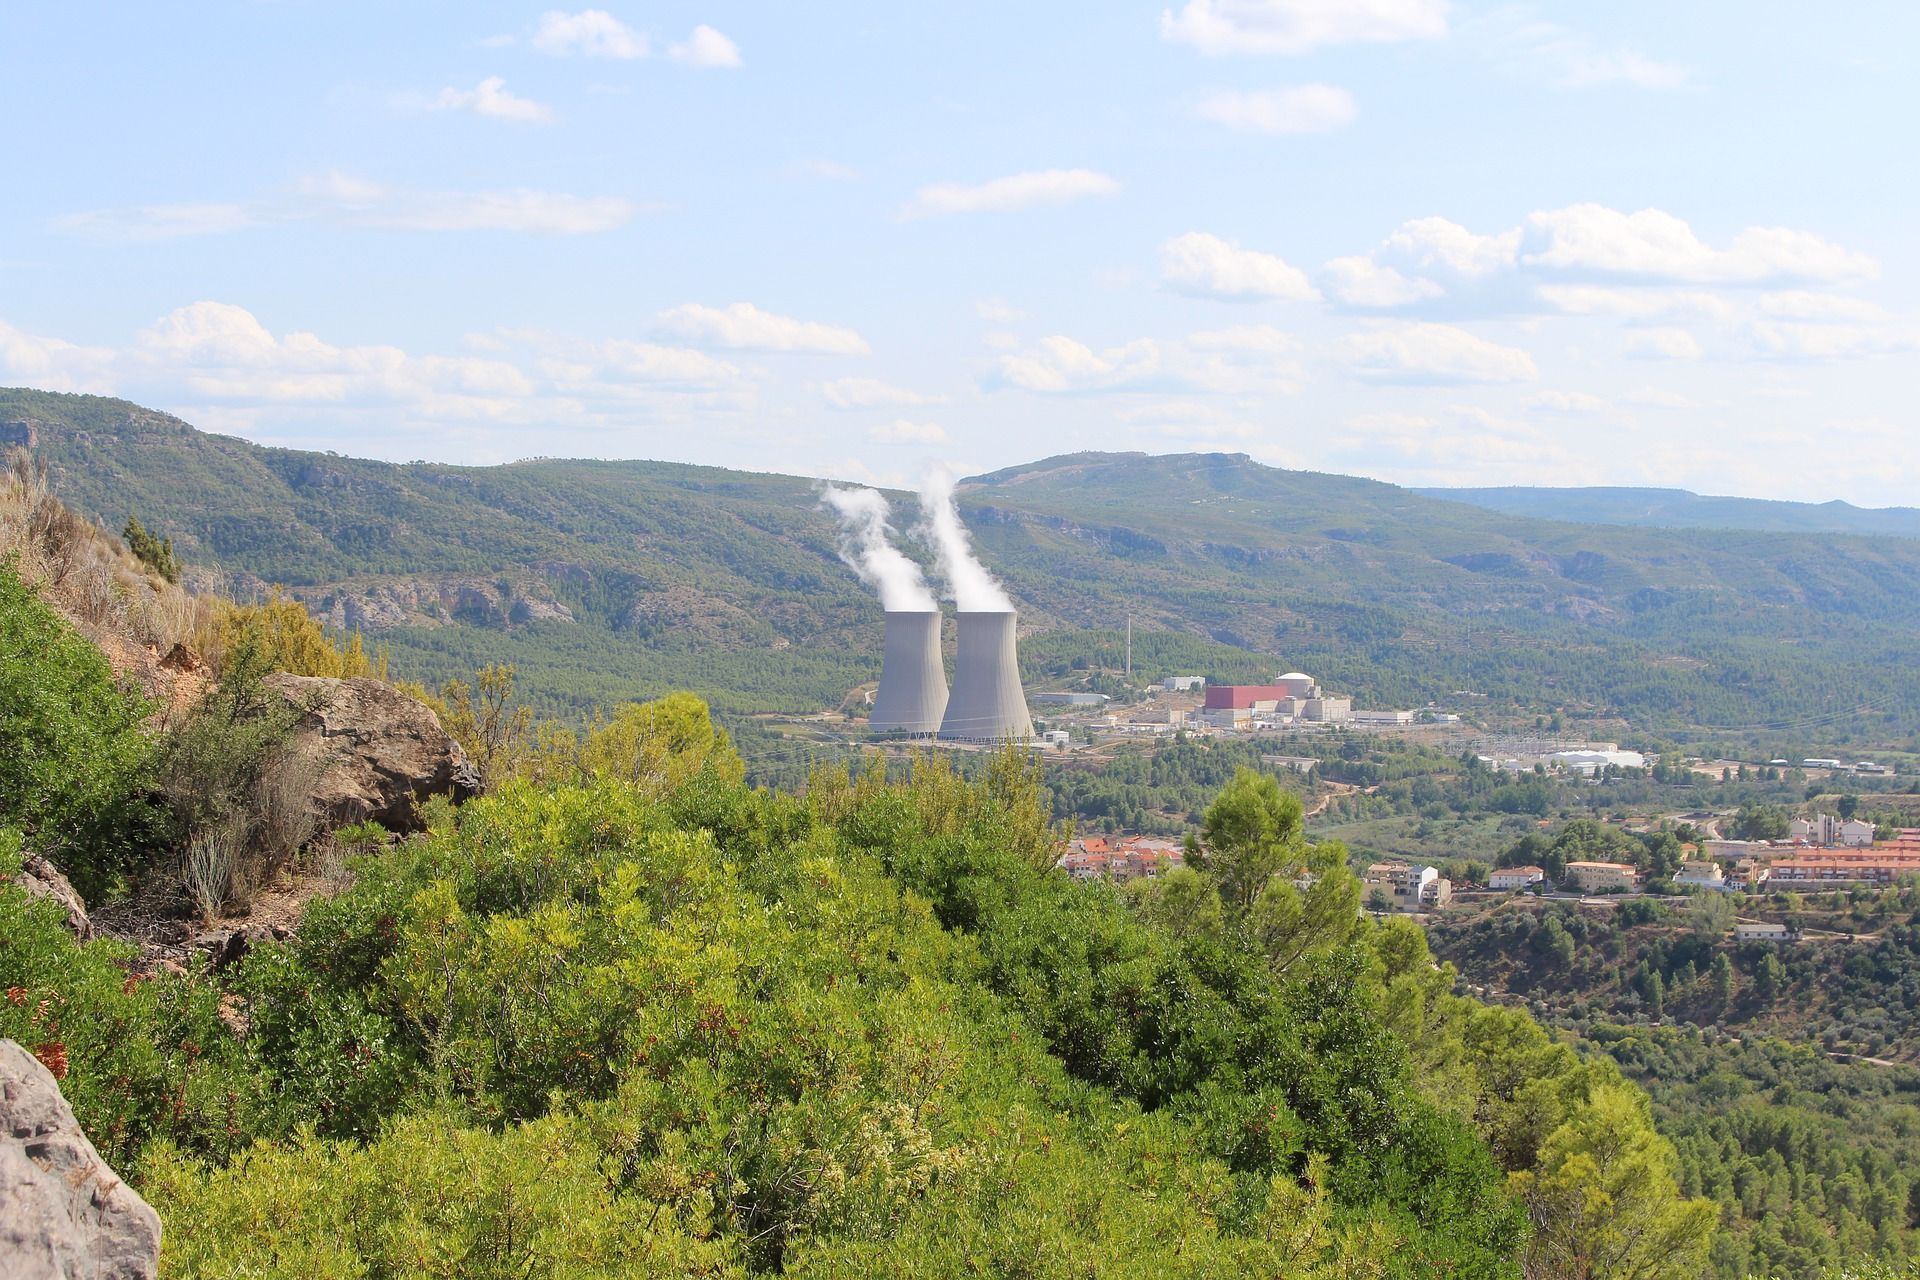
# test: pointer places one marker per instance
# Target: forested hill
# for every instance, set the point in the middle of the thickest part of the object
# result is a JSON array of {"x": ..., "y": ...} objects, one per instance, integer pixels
[
  {"x": 1680, "y": 509},
  {"x": 611, "y": 580}
]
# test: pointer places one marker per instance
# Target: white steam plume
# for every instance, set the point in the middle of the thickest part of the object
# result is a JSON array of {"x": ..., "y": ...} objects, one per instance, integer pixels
[
  {"x": 974, "y": 590},
  {"x": 865, "y": 546}
]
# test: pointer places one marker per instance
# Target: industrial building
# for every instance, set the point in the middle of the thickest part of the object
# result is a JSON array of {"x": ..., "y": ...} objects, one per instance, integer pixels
[{"x": 912, "y": 698}]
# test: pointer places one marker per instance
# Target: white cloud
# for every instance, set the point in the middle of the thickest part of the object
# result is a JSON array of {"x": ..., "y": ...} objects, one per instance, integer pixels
[
  {"x": 1295, "y": 26},
  {"x": 1567, "y": 402},
  {"x": 1361, "y": 282},
  {"x": 748, "y": 328},
  {"x": 996, "y": 311},
  {"x": 346, "y": 200},
  {"x": 1251, "y": 359},
  {"x": 53, "y": 364},
  {"x": 1638, "y": 303},
  {"x": 592, "y": 33},
  {"x": 1663, "y": 344},
  {"x": 219, "y": 350},
  {"x": 1435, "y": 353},
  {"x": 707, "y": 48},
  {"x": 869, "y": 393},
  {"x": 900, "y": 431},
  {"x": 1207, "y": 266},
  {"x": 1311, "y": 108},
  {"x": 1652, "y": 244},
  {"x": 1016, "y": 191},
  {"x": 1437, "y": 244},
  {"x": 490, "y": 98}
]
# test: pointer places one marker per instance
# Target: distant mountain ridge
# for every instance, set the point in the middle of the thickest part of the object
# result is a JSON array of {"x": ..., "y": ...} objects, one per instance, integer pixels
[
  {"x": 1682, "y": 509},
  {"x": 608, "y": 580}
]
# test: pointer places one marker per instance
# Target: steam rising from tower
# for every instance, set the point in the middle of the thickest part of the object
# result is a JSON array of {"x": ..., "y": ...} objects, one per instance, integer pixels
[
  {"x": 865, "y": 546},
  {"x": 974, "y": 589}
]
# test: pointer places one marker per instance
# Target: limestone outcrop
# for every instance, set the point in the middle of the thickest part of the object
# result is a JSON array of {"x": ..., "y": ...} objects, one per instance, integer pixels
[
  {"x": 64, "y": 1215},
  {"x": 380, "y": 752}
]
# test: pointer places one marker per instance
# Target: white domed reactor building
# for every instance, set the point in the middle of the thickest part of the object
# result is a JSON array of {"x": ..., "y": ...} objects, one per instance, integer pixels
[
  {"x": 912, "y": 698},
  {"x": 987, "y": 704}
]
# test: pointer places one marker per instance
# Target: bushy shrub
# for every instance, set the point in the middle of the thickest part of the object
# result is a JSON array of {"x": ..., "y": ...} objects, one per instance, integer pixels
[
  {"x": 144, "y": 1058},
  {"x": 73, "y": 757}
]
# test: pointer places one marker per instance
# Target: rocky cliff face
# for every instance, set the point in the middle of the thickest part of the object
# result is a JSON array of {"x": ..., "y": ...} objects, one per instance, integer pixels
[
  {"x": 64, "y": 1215},
  {"x": 381, "y": 752}
]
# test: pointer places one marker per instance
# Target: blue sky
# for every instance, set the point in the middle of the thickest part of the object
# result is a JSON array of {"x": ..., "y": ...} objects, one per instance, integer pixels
[{"x": 1437, "y": 243}]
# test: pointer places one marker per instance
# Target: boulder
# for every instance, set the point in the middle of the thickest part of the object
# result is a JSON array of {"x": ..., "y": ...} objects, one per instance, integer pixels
[
  {"x": 41, "y": 879},
  {"x": 381, "y": 753},
  {"x": 64, "y": 1215}
]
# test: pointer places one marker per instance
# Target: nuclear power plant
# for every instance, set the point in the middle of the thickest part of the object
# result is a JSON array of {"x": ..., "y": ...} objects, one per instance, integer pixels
[
  {"x": 986, "y": 704},
  {"x": 913, "y": 680}
]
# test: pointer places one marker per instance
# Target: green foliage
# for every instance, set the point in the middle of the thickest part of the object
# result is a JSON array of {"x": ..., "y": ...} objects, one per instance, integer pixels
[
  {"x": 151, "y": 550},
  {"x": 73, "y": 756},
  {"x": 1814, "y": 1164},
  {"x": 145, "y": 1057},
  {"x": 707, "y": 1022}
]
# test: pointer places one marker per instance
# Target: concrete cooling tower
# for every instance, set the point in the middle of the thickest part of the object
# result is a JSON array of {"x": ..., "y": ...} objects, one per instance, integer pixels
[
  {"x": 913, "y": 680},
  {"x": 987, "y": 704}
]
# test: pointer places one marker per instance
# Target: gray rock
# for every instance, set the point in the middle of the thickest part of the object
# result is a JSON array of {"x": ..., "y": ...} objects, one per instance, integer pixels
[
  {"x": 381, "y": 752},
  {"x": 41, "y": 879},
  {"x": 64, "y": 1215}
]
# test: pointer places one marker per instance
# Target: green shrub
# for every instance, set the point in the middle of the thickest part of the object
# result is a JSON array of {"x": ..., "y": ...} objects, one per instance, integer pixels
[
  {"x": 75, "y": 759},
  {"x": 145, "y": 1058}
]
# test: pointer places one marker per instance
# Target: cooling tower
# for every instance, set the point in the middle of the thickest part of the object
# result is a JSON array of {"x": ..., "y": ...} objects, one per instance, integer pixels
[
  {"x": 987, "y": 704},
  {"x": 913, "y": 680}
]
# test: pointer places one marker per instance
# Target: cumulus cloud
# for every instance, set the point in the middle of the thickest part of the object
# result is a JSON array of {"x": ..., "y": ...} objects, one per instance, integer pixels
[
  {"x": 1433, "y": 353},
  {"x": 1208, "y": 267},
  {"x": 592, "y": 33},
  {"x": 1244, "y": 358},
  {"x": 1016, "y": 191},
  {"x": 901, "y": 431},
  {"x": 1311, "y": 108},
  {"x": 746, "y": 327},
  {"x": 1655, "y": 245},
  {"x": 1436, "y": 244},
  {"x": 706, "y": 48},
  {"x": 490, "y": 98},
  {"x": 53, "y": 364},
  {"x": 1219, "y": 27},
  {"x": 869, "y": 393},
  {"x": 347, "y": 200},
  {"x": 1361, "y": 282}
]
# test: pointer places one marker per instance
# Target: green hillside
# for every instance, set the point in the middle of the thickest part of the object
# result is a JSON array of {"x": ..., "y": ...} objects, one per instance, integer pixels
[
  {"x": 611, "y": 580},
  {"x": 1681, "y": 509}
]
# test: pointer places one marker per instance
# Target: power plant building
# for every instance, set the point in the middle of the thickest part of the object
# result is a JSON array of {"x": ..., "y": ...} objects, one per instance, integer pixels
[
  {"x": 986, "y": 704},
  {"x": 912, "y": 699}
]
